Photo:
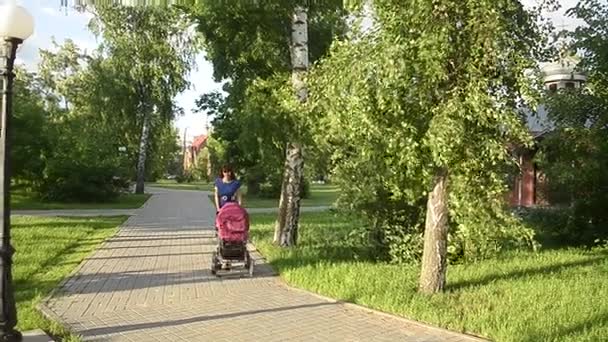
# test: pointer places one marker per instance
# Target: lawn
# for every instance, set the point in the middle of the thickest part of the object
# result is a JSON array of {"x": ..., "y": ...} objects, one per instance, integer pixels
[
  {"x": 320, "y": 195},
  {"x": 172, "y": 184},
  {"x": 47, "y": 250},
  {"x": 24, "y": 200},
  {"x": 552, "y": 295}
]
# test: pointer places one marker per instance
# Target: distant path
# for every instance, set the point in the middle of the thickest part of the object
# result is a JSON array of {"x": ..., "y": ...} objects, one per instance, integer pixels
[
  {"x": 151, "y": 282},
  {"x": 76, "y": 212},
  {"x": 132, "y": 212}
]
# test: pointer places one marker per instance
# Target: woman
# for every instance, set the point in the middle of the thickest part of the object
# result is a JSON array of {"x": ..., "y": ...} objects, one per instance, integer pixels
[{"x": 227, "y": 188}]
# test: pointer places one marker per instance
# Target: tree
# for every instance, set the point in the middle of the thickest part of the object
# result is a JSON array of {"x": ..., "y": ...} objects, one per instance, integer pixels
[
  {"x": 574, "y": 156},
  {"x": 155, "y": 48},
  {"x": 424, "y": 105},
  {"x": 286, "y": 230},
  {"x": 249, "y": 43},
  {"x": 59, "y": 71},
  {"x": 30, "y": 121}
]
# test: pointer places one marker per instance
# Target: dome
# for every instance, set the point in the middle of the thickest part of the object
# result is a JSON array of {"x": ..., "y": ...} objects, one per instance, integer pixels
[{"x": 563, "y": 70}]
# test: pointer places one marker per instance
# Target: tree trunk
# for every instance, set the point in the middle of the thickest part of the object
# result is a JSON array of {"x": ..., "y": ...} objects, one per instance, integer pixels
[
  {"x": 434, "y": 258},
  {"x": 280, "y": 224},
  {"x": 295, "y": 164},
  {"x": 286, "y": 229},
  {"x": 209, "y": 166},
  {"x": 143, "y": 147}
]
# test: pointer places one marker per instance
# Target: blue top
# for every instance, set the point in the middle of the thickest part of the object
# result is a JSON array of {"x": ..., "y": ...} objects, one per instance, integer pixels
[{"x": 227, "y": 191}]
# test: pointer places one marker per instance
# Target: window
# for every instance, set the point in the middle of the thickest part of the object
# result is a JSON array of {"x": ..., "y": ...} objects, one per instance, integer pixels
[
  {"x": 570, "y": 85},
  {"x": 552, "y": 87}
]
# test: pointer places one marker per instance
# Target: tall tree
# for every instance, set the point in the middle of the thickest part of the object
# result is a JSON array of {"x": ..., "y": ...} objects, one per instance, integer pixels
[
  {"x": 286, "y": 230},
  {"x": 155, "y": 47},
  {"x": 427, "y": 101},
  {"x": 256, "y": 45}
]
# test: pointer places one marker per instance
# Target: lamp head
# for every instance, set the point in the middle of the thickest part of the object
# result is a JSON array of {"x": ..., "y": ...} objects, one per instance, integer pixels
[{"x": 15, "y": 21}]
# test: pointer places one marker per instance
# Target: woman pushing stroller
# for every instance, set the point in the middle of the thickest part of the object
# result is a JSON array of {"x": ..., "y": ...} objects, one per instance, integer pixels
[
  {"x": 232, "y": 225},
  {"x": 227, "y": 188}
]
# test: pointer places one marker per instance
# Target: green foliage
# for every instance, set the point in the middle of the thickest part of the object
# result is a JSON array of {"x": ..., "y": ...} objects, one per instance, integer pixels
[
  {"x": 151, "y": 51},
  {"x": 29, "y": 141},
  {"x": 271, "y": 188},
  {"x": 72, "y": 117},
  {"x": 248, "y": 44},
  {"x": 81, "y": 165},
  {"x": 575, "y": 155},
  {"x": 432, "y": 85}
]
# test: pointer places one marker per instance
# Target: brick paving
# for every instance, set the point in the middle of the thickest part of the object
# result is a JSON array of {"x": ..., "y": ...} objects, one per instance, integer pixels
[{"x": 151, "y": 282}]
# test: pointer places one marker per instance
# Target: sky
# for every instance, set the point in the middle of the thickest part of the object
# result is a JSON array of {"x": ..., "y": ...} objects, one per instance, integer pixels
[{"x": 54, "y": 22}]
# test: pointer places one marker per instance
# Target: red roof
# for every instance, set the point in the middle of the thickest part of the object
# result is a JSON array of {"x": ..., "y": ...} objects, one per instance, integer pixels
[{"x": 199, "y": 142}]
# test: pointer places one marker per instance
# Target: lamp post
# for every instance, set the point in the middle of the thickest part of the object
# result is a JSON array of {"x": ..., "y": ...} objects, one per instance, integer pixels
[{"x": 16, "y": 25}]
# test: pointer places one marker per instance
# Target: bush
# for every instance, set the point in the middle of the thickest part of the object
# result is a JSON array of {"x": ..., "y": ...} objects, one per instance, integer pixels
[
  {"x": 395, "y": 227},
  {"x": 82, "y": 165},
  {"x": 184, "y": 178},
  {"x": 564, "y": 226},
  {"x": 272, "y": 189},
  {"x": 75, "y": 181}
]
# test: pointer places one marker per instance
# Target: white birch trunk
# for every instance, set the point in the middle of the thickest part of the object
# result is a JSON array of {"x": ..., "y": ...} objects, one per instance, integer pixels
[{"x": 286, "y": 230}]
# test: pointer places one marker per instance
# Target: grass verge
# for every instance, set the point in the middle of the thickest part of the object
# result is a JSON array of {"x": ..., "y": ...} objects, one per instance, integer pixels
[
  {"x": 24, "y": 200},
  {"x": 48, "y": 250},
  {"x": 172, "y": 184},
  {"x": 320, "y": 195},
  {"x": 552, "y": 295}
]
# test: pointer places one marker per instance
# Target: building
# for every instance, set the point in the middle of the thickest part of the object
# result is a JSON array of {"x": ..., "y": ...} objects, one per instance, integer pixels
[
  {"x": 192, "y": 151},
  {"x": 530, "y": 186}
]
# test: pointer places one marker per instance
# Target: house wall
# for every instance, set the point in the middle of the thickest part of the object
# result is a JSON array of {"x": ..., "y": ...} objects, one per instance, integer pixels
[{"x": 523, "y": 192}]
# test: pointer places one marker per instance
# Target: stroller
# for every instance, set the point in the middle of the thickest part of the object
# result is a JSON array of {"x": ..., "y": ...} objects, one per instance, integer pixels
[{"x": 232, "y": 226}]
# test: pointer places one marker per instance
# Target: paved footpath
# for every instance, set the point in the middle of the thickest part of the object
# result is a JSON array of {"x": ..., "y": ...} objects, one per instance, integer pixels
[{"x": 151, "y": 282}]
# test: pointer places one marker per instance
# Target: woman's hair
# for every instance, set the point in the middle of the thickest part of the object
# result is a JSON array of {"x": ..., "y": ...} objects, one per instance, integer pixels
[{"x": 227, "y": 168}]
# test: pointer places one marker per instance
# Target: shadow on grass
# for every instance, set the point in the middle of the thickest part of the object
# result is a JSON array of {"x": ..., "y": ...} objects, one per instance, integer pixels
[
  {"x": 524, "y": 273},
  {"x": 571, "y": 332},
  {"x": 598, "y": 320},
  {"x": 317, "y": 244},
  {"x": 28, "y": 287},
  {"x": 92, "y": 222},
  {"x": 309, "y": 256}
]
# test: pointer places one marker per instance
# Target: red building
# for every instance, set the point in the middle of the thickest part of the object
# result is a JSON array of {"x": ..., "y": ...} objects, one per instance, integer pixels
[
  {"x": 191, "y": 153},
  {"x": 529, "y": 188}
]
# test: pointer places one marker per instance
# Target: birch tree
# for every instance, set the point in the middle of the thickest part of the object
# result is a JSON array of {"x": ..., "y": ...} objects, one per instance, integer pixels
[
  {"x": 155, "y": 47},
  {"x": 422, "y": 108},
  {"x": 258, "y": 46},
  {"x": 286, "y": 230}
]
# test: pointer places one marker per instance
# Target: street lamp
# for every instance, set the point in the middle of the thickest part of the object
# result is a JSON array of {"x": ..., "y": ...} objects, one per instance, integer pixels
[{"x": 16, "y": 25}]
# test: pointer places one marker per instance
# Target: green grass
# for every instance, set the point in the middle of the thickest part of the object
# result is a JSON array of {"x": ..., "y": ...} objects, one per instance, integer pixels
[
  {"x": 320, "y": 195},
  {"x": 21, "y": 199},
  {"x": 172, "y": 184},
  {"x": 48, "y": 249},
  {"x": 552, "y": 295}
]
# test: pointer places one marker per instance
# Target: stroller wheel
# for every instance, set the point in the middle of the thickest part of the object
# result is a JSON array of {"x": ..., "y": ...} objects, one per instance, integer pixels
[
  {"x": 249, "y": 264},
  {"x": 214, "y": 263}
]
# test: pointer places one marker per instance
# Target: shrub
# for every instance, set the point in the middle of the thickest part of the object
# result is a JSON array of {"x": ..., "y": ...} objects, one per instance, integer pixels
[
  {"x": 72, "y": 180},
  {"x": 272, "y": 189},
  {"x": 564, "y": 226}
]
